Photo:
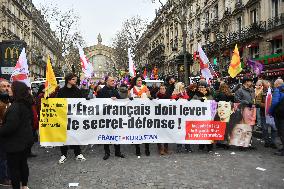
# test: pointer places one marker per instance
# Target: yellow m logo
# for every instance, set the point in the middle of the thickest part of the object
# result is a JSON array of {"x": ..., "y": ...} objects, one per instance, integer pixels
[{"x": 11, "y": 52}]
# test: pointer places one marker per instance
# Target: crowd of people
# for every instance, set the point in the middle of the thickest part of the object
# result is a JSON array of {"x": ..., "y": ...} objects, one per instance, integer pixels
[{"x": 19, "y": 115}]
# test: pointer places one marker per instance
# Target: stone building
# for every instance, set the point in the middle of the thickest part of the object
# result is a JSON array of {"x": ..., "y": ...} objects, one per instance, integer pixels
[
  {"x": 102, "y": 59},
  {"x": 257, "y": 26},
  {"x": 22, "y": 25}
]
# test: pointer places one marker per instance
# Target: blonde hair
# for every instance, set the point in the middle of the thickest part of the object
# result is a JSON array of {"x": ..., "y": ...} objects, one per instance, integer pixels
[{"x": 179, "y": 88}]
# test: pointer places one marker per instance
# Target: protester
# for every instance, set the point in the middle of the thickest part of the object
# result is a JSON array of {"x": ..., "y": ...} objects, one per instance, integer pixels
[
  {"x": 123, "y": 91},
  {"x": 170, "y": 86},
  {"x": 203, "y": 94},
  {"x": 5, "y": 94},
  {"x": 268, "y": 141},
  {"x": 180, "y": 93},
  {"x": 35, "y": 127},
  {"x": 109, "y": 91},
  {"x": 154, "y": 90},
  {"x": 277, "y": 111},
  {"x": 246, "y": 92},
  {"x": 162, "y": 148},
  {"x": 85, "y": 89},
  {"x": 140, "y": 91},
  {"x": 224, "y": 93},
  {"x": 258, "y": 100},
  {"x": 192, "y": 88},
  {"x": 16, "y": 134},
  {"x": 70, "y": 90}
]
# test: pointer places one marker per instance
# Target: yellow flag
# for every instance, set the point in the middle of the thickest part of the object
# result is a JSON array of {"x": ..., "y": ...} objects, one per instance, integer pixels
[
  {"x": 235, "y": 66},
  {"x": 50, "y": 83}
]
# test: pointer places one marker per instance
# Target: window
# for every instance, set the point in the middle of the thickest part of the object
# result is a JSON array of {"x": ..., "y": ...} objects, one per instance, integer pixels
[
  {"x": 198, "y": 23},
  {"x": 206, "y": 17},
  {"x": 253, "y": 16},
  {"x": 275, "y": 8},
  {"x": 254, "y": 51},
  {"x": 277, "y": 46},
  {"x": 216, "y": 12},
  {"x": 12, "y": 9},
  {"x": 176, "y": 30},
  {"x": 239, "y": 23}
]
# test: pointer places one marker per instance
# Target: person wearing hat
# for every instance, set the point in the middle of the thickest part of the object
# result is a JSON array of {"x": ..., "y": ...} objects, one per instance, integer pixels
[
  {"x": 203, "y": 93},
  {"x": 246, "y": 92}
]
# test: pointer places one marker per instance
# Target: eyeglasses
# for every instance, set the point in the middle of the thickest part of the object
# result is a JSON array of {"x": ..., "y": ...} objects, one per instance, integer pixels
[{"x": 139, "y": 79}]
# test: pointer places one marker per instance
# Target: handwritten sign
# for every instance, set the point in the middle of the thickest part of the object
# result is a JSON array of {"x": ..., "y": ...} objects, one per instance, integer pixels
[{"x": 53, "y": 120}]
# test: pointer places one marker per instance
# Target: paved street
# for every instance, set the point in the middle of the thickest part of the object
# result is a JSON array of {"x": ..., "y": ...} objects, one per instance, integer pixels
[{"x": 196, "y": 170}]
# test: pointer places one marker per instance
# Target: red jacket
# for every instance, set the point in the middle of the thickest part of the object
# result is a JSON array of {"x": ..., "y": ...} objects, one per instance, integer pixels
[{"x": 180, "y": 95}]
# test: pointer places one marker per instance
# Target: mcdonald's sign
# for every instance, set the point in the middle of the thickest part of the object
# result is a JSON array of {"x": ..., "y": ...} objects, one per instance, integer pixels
[
  {"x": 9, "y": 53},
  {"x": 12, "y": 53}
]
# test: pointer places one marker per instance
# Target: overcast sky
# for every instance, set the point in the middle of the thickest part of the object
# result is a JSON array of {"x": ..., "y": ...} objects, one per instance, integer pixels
[{"x": 104, "y": 16}]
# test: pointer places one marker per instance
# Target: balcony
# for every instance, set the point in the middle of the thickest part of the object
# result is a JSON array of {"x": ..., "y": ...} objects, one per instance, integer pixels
[
  {"x": 206, "y": 29},
  {"x": 276, "y": 22},
  {"x": 242, "y": 36},
  {"x": 198, "y": 33},
  {"x": 239, "y": 6},
  {"x": 215, "y": 22},
  {"x": 227, "y": 13},
  {"x": 157, "y": 53}
]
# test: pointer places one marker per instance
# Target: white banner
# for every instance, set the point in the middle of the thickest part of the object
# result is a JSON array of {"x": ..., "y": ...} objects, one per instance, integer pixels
[{"x": 107, "y": 121}]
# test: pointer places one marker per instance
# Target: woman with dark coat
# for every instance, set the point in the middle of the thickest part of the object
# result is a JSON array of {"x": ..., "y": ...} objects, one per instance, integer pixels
[
  {"x": 16, "y": 134},
  {"x": 224, "y": 94},
  {"x": 191, "y": 90}
]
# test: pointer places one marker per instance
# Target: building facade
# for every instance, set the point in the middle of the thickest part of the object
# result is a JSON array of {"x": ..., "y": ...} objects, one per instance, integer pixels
[
  {"x": 256, "y": 26},
  {"x": 21, "y": 21},
  {"x": 102, "y": 59}
]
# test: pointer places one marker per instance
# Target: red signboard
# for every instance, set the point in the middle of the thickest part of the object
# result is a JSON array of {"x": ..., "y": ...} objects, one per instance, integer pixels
[{"x": 205, "y": 130}]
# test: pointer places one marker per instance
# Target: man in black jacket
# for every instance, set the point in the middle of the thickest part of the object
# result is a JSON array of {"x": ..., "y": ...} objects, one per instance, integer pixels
[
  {"x": 109, "y": 91},
  {"x": 70, "y": 90}
]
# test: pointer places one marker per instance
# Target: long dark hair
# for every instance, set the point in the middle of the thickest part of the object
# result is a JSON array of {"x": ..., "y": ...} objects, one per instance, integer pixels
[
  {"x": 21, "y": 93},
  {"x": 133, "y": 81}
]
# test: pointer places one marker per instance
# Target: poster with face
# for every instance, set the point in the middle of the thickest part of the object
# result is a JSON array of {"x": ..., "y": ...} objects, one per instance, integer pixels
[
  {"x": 239, "y": 118},
  {"x": 240, "y": 125},
  {"x": 241, "y": 135},
  {"x": 224, "y": 111}
]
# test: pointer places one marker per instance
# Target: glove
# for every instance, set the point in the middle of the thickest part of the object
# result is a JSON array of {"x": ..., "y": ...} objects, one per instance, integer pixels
[
  {"x": 202, "y": 99},
  {"x": 130, "y": 98}
]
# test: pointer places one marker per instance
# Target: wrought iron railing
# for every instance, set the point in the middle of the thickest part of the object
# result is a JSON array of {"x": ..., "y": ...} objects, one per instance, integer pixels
[
  {"x": 239, "y": 5},
  {"x": 227, "y": 13},
  {"x": 275, "y": 22},
  {"x": 246, "y": 33},
  {"x": 157, "y": 52}
]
